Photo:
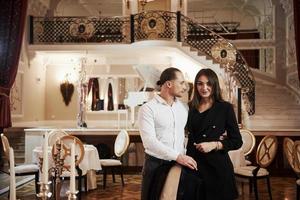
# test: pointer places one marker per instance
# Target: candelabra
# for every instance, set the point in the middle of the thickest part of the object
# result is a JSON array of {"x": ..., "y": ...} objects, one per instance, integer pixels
[
  {"x": 72, "y": 196},
  {"x": 44, "y": 193},
  {"x": 57, "y": 169}
]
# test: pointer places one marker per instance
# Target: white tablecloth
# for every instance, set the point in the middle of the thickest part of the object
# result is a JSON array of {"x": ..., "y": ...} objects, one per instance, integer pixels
[{"x": 89, "y": 163}]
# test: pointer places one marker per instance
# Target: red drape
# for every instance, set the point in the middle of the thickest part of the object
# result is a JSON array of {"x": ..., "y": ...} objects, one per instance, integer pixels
[
  {"x": 12, "y": 22},
  {"x": 297, "y": 32}
]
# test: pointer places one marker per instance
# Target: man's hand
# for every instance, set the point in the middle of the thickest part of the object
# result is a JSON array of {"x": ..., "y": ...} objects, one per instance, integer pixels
[
  {"x": 187, "y": 161},
  {"x": 206, "y": 147}
]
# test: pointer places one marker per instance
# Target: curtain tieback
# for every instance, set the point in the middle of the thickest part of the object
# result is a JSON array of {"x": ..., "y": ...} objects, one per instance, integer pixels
[{"x": 4, "y": 92}]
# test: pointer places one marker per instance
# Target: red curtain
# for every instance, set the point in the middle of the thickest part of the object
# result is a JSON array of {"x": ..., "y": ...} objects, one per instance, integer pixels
[
  {"x": 297, "y": 32},
  {"x": 12, "y": 22}
]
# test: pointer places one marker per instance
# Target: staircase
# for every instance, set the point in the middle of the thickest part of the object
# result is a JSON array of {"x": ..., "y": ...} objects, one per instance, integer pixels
[
  {"x": 201, "y": 59},
  {"x": 275, "y": 108}
]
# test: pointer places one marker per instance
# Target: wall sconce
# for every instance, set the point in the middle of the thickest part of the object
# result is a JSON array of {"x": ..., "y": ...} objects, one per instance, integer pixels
[{"x": 67, "y": 90}]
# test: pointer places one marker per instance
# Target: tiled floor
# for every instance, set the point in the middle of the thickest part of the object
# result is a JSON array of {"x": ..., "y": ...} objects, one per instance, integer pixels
[{"x": 282, "y": 189}]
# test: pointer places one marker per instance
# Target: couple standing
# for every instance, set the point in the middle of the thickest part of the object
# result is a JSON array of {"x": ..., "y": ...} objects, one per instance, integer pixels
[{"x": 162, "y": 122}]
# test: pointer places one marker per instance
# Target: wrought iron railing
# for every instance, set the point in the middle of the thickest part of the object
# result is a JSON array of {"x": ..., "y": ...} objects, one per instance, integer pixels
[
  {"x": 152, "y": 25},
  {"x": 80, "y": 30},
  {"x": 223, "y": 52}
]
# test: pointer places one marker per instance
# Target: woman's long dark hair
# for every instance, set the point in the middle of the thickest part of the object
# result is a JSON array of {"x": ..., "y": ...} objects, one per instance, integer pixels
[{"x": 213, "y": 81}]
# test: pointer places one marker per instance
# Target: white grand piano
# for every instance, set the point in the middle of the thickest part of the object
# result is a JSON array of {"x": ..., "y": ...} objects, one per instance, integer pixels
[{"x": 150, "y": 76}]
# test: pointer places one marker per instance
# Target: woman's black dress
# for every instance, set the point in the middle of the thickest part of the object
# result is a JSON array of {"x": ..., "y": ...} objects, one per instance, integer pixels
[{"x": 214, "y": 168}]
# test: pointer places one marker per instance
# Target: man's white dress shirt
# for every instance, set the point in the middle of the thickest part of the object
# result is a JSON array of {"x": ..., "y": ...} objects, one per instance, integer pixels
[{"x": 161, "y": 128}]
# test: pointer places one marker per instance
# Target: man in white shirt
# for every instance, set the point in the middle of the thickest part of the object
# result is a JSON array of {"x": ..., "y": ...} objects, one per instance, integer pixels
[{"x": 161, "y": 123}]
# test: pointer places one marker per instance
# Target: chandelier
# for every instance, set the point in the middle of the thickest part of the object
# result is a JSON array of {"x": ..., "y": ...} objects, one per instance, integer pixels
[{"x": 143, "y": 3}]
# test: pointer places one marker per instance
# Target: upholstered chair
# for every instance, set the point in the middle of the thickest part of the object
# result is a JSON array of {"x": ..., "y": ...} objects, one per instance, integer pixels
[
  {"x": 120, "y": 147},
  {"x": 55, "y": 135},
  {"x": 23, "y": 169},
  {"x": 296, "y": 153},
  {"x": 249, "y": 142},
  {"x": 265, "y": 154},
  {"x": 292, "y": 152}
]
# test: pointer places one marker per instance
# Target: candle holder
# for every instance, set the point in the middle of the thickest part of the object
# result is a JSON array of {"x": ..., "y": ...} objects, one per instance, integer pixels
[
  {"x": 57, "y": 170},
  {"x": 44, "y": 187},
  {"x": 72, "y": 196},
  {"x": 44, "y": 191}
]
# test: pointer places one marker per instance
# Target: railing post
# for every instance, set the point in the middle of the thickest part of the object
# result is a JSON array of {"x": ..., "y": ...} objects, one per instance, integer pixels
[
  {"x": 178, "y": 18},
  {"x": 132, "y": 28},
  {"x": 30, "y": 29}
]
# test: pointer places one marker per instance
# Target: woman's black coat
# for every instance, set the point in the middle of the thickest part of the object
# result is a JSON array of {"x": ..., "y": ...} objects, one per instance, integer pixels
[{"x": 215, "y": 167}]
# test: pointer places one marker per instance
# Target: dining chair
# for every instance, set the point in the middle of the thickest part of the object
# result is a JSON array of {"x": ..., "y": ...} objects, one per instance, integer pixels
[
  {"x": 23, "y": 169},
  {"x": 297, "y": 165},
  {"x": 120, "y": 147},
  {"x": 288, "y": 148},
  {"x": 66, "y": 142},
  {"x": 265, "y": 154},
  {"x": 170, "y": 188},
  {"x": 55, "y": 135},
  {"x": 249, "y": 142},
  {"x": 292, "y": 153}
]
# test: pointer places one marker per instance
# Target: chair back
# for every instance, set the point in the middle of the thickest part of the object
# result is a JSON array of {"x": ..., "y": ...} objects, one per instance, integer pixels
[
  {"x": 6, "y": 146},
  {"x": 66, "y": 142},
  {"x": 266, "y": 150},
  {"x": 54, "y": 135},
  {"x": 12, "y": 174},
  {"x": 296, "y": 152},
  {"x": 248, "y": 141},
  {"x": 121, "y": 143},
  {"x": 288, "y": 148}
]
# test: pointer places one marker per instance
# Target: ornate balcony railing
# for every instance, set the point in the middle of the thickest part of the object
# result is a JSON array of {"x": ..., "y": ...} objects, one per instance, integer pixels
[
  {"x": 152, "y": 25},
  {"x": 61, "y": 30}
]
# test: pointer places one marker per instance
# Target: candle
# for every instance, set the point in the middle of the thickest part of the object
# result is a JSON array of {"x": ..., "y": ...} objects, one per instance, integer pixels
[
  {"x": 12, "y": 181},
  {"x": 45, "y": 159},
  {"x": 61, "y": 149},
  {"x": 72, "y": 169}
]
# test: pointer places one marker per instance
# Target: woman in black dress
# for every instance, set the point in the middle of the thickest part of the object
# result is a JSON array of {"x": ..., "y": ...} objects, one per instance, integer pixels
[{"x": 209, "y": 118}]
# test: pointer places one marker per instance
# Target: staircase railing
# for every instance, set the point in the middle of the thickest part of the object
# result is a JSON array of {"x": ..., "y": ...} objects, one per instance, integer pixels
[{"x": 151, "y": 25}]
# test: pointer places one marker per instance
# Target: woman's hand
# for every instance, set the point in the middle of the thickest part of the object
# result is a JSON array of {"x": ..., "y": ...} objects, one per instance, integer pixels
[{"x": 206, "y": 147}]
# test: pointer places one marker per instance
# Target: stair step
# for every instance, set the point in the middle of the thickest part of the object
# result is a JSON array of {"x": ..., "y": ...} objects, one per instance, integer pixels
[
  {"x": 276, "y": 112},
  {"x": 276, "y": 97},
  {"x": 19, "y": 160},
  {"x": 17, "y": 151},
  {"x": 282, "y": 106},
  {"x": 276, "y": 117},
  {"x": 279, "y": 101},
  {"x": 274, "y": 122}
]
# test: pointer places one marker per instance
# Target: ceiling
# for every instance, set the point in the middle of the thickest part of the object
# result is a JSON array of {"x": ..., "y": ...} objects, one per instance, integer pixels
[{"x": 114, "y": 7}]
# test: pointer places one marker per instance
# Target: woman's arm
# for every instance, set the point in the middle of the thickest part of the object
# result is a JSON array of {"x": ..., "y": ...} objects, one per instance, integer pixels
[{"x": 233, "y": 140}]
